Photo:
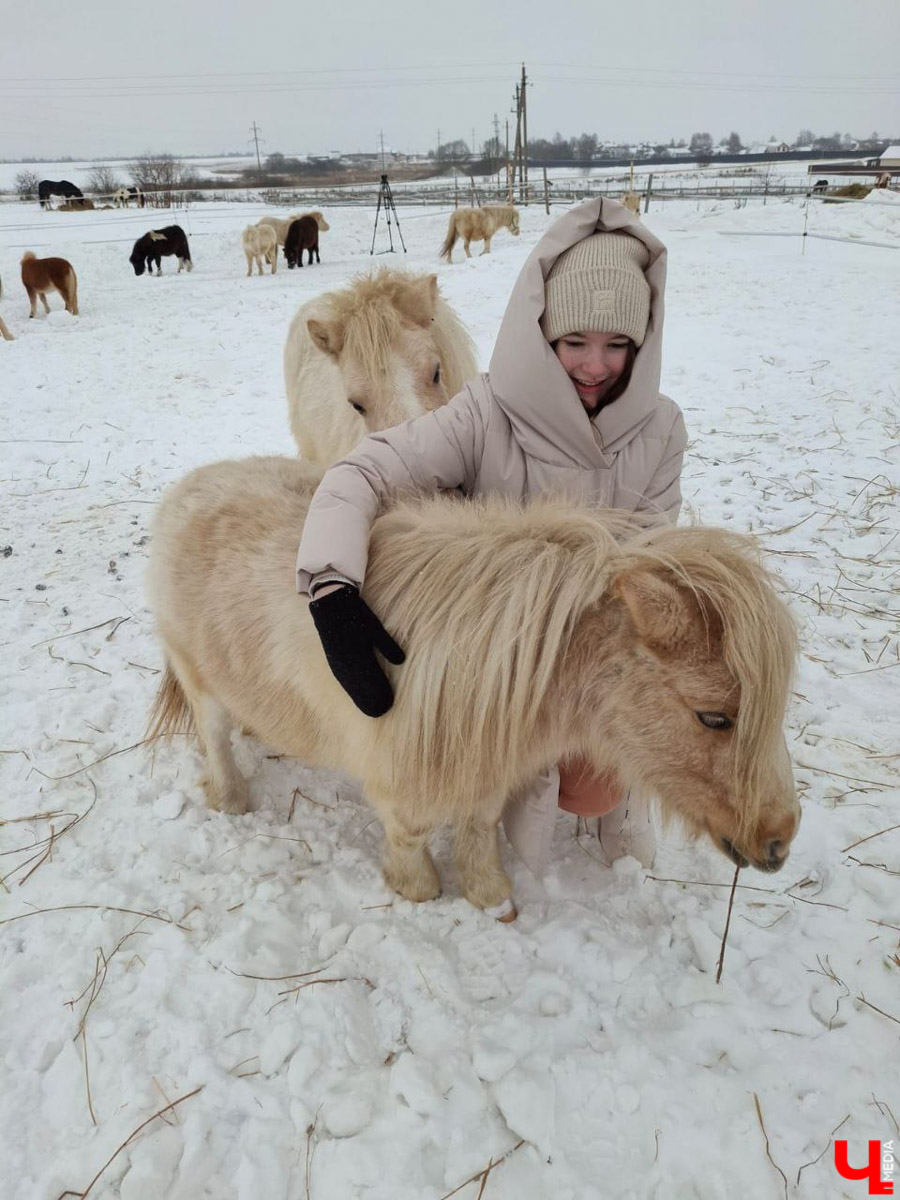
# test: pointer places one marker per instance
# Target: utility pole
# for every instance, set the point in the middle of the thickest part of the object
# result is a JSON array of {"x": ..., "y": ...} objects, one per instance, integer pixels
[
  {"x": 524, "y": 175},
  {"x": 381, "y": 141},
  {"x": 255, "y": 139},
  {"x": 496, "y": 153},
  {"x": 438, "y": 159},
  {"x": 518, "y": 144}
]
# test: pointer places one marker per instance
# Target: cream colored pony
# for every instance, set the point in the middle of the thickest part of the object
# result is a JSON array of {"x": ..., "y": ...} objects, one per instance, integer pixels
[
  {"x": 366, "y": 357},
  {"x": 533, "y": 635},
  {"x": 479, "y": 225},
  {"x": 260, "y": 242},
  {"x": 282, "y": 224}
]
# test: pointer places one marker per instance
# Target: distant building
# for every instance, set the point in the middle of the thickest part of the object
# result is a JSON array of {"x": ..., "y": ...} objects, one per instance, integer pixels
[{"x": 890, "y": 157}]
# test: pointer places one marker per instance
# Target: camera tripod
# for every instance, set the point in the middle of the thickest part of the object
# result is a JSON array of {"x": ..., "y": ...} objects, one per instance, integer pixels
[{"x": 386, "y": 200}]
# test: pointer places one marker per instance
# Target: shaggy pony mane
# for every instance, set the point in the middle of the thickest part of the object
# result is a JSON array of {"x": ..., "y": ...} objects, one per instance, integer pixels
[{"x": 490, "y": 595}]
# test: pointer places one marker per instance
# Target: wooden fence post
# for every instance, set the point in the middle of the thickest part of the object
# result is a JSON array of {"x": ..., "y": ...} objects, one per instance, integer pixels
[
  {"x": 546, "y": 194},
  {"x": 647, "y": 192}
]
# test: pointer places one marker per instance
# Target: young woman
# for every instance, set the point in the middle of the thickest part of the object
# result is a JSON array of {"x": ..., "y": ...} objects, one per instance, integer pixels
[{"x": 570, "y": 405}]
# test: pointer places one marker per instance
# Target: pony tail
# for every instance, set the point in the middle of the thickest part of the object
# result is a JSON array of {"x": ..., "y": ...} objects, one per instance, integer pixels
[
  {"x": 171, "y": 712},
  {"x": 29, "y": 254},
  {"x": 450, "y": 239}
]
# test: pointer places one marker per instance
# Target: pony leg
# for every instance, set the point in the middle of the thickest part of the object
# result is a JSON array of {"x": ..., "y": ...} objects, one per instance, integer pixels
[
  {"x": 72, "y": 300},
  {"x": 32, "y": 299},
  {"x": 484, "y": 882},
  {"x": 249, "y": 265},
  {"x": 225, "y": 787},
  {"x": 43, "y": 296},
  {"x": 466, "y": 244},
  {"x": 408, "y": 866},
  {"x": 487, "y": 246}
]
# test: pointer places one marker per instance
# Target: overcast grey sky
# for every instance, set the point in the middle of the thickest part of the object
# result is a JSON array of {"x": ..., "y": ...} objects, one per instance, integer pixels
[{"x": 95, "y": 77}]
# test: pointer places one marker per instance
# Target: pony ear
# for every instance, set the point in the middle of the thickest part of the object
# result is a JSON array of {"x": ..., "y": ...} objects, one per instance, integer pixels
[
  {"x": 418, "y": 300},
  {"x": 660, "y": 612},
  {"x": 327, "y": 335}
]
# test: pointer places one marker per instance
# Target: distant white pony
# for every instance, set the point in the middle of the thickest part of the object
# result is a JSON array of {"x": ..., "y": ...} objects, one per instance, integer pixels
[
  {"x": 479, "y": 225},
  {"x": 260, "y": 243}
]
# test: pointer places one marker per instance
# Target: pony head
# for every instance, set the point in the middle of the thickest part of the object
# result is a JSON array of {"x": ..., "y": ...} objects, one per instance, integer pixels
[
  {"x": 704, "y": 672},
  {"x": 380, "y": 334},
  {"x": 136, "y": 258}
]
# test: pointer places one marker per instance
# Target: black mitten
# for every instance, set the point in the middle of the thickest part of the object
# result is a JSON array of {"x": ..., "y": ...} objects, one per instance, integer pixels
[{"x": 350, "y": 634}]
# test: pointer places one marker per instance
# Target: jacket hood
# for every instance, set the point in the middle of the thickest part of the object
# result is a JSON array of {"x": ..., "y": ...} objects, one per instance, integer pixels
[{"x": 527, "y": 379}]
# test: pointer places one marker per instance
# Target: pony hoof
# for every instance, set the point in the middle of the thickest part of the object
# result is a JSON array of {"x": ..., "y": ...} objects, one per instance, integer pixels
[{"x": 505, "y": 912}]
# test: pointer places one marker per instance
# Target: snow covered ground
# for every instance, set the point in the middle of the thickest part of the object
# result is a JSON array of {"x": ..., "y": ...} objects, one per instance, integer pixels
[{"x": 324, "y": 1038}]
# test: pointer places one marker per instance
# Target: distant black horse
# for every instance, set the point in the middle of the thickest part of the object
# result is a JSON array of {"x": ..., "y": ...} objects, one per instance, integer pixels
[
  {"x": 820, "y": 185},
  {"x": 153, "y": 246},
  {"x": 48, "y": 188},
  {"x": 302, "y": 234}
]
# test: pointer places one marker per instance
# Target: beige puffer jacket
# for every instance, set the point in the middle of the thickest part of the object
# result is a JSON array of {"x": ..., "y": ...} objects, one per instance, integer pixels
[{"x": 517, "y": 430}]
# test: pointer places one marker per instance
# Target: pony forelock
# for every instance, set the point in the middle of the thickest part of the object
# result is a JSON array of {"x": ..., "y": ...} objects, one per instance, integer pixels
[{"x": 371, "y": 318}]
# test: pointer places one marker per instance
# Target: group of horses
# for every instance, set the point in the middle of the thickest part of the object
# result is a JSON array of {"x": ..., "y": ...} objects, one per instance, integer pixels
[
  {"x": 75, "y": 199},
  {"x": 294, "y": 233},
  {"x": 534, "y": 633}
]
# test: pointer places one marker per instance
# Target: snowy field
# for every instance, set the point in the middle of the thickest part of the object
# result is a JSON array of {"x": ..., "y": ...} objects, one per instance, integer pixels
[{"x": 317, "y": 1037}]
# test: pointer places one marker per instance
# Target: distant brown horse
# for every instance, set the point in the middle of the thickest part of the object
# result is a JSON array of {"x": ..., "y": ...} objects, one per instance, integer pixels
[
  {"x": 43, "y": 275},
  {"x": 534, "y": 634},
  {"x": 479, "y": 225}
]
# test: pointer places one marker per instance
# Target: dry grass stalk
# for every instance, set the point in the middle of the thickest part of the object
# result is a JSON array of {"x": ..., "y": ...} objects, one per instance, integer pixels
[
  {"x": 101, "y": 968},
  {"x": 89, "y": 629},
  {"x": 276, "y": 978},
  {"x": 813, "y": 1162},
  {"x": 889, "y": 829},
  {"x": 128, "y": 1140},
  {"x": 768, "y": 1151},
  {"x": 744, "y": 887},
  {"x": 868, "y": 1004},
  {"x": 721, "y": 965},
  {"x": 482, "y": 1175},
  {"x": 167, "y": 920},
  {"x": 49, "y": 841},
  {"x": 310, "y": 1150},
  {"x": 881, "y": 1105},
  {"x": 102, "y": 758}
]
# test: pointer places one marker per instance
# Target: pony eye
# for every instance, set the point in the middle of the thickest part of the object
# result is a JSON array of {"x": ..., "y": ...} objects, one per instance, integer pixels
[
  {"x": 359, "y": 408},
  {"x": 436, "y": 378},
  {"x": 714, "y": 720}
]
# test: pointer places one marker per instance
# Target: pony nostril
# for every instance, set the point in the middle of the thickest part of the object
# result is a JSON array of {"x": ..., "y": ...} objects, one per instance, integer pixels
[{"x": 776, "y": 850}]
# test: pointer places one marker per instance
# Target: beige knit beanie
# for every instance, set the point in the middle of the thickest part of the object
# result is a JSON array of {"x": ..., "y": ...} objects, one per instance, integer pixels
[{"x": 598, "y": 286}]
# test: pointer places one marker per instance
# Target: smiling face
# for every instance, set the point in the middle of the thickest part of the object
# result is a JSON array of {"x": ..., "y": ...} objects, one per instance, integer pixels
[{"x": 595, "y": 362}]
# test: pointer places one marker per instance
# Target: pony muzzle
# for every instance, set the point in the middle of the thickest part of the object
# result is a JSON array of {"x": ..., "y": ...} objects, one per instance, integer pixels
[{"x": 775, "y": 855}]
